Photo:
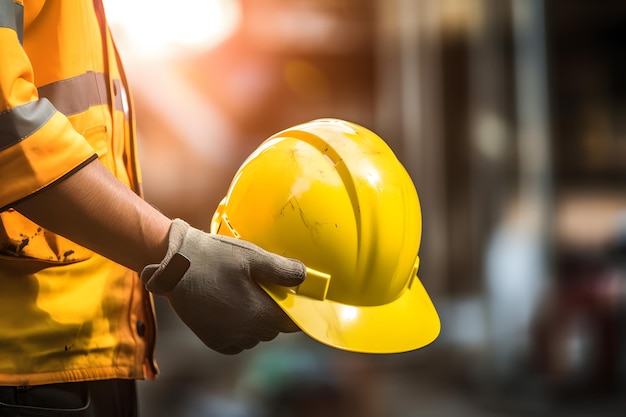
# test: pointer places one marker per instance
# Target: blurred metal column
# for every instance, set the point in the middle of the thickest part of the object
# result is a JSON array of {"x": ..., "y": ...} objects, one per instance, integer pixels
[
  {"x": 491, "y": 117},
  {"x": 533, "y": 126},
  {"x": 535, "y": 200}
]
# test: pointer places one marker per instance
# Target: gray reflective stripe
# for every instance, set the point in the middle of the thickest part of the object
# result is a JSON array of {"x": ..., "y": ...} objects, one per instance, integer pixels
[
  {"x": 77, "y": 94},
  {"x": 19, "y": 21},
  {"x": 12, "y": 17},
  {"x": 20, "y": 122}
]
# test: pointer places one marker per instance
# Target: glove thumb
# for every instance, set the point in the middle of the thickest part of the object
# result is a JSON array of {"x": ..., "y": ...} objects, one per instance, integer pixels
[{"x": 270, "y": 268}]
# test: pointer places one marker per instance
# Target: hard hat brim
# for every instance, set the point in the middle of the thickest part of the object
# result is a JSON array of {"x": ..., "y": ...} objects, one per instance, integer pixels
[{"x": 366, "y": 329}]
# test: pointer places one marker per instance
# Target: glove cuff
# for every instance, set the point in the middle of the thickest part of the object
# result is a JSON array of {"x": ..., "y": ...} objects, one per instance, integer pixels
[{"x": 161, "y": 278}]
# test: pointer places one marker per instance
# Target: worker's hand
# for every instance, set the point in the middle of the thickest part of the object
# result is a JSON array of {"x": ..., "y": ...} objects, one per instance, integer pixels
[{"x": 210, "y": 282}]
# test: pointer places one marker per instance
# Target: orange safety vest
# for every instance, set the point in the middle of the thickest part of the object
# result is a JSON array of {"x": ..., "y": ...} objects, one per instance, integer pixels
[{"x": 66, "y": 314}]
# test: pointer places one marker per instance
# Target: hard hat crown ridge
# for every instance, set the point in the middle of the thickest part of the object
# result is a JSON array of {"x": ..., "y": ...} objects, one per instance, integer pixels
[{"x": 333, "y": 194}]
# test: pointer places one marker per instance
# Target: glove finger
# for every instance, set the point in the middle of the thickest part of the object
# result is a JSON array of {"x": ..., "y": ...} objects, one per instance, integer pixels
[
  {"x": 265, "y": 266},
  {"x": 229, "y": 350},
  {"x": 239, "y": 346},
  {"x": 274, "y": 316},
  {"x": 270, "y": 268},
  {"x": 290, "y": 327},
  {"x": 282, "y": 321},
  {"x": 265, "y": 335}
]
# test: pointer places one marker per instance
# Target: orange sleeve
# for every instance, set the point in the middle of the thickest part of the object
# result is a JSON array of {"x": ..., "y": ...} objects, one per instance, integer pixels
[{"x": 38, "y": 144}]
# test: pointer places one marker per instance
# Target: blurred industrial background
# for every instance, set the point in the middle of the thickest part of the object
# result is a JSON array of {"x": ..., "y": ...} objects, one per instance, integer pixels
[{"x": 510, "y": 116}]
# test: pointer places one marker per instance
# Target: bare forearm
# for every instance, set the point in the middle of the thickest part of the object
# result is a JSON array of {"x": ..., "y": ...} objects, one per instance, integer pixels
[{"x": 95, "y": 210}]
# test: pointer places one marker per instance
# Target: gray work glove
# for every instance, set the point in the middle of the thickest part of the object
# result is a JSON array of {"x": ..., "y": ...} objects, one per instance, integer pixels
[{"x": 210, "y": 282}]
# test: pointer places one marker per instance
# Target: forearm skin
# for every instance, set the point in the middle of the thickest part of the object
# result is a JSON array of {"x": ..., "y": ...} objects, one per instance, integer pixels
[{"x": 97, "y": 211}]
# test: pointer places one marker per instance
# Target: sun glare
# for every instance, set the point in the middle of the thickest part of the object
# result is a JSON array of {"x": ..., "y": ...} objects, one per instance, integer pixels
[{"x": 159, "y": 28}]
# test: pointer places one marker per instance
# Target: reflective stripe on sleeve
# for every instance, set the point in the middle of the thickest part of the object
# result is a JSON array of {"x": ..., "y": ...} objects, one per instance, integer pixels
[
  {"x": 22, "y": 121},
  {"x": 40, "y": 159},
  {"x": 12, "y": 17},
  {"x": 75, "y": 95}
]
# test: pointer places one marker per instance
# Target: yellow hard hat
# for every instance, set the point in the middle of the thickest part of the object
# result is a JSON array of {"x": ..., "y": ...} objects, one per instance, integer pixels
[{"x": 332, "y": 194}]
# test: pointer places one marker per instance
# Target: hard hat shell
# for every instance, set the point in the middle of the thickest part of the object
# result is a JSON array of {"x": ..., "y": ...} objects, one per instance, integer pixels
[{"x": 332, "y": 194}]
